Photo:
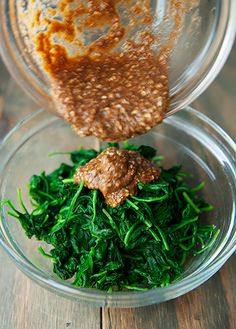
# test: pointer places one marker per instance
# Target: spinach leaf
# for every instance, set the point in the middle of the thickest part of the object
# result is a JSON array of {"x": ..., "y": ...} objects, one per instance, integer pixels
[{"x": 139, "y": 245}]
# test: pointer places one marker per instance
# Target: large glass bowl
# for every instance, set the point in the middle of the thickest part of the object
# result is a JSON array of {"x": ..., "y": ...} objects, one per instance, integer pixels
[
  {"x": 187, "y": 138},
  {"x": 202, "y": 47}
]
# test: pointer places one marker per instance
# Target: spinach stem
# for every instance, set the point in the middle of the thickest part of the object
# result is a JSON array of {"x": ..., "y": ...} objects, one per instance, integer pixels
[
  {"x": 95, "y": 198},
  {"x": 68, "y": 180},
  {"x": 41, "y": 250},
  {"x": 45, "y": 194},
  {"x": 132, "y": 204},
  {"x": 184, "y": 223},
  {"x": 210, "y": 243},
  {"x": 150, "y": 199},
  {"x": 21, "y": 201},
  {"x": 127, "y": 236},
  {"x": 198, "y": 187},
  {"x": 71, "y": 207},
  {"x": 191, "y": 203},
  {"x": 112, "y": 222},
  {"x": 163, "y": 237}
]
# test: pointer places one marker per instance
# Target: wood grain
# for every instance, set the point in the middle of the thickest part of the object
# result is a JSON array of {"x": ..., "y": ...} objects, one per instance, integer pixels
[
  {"x": 218, "y": 102},
  {"x": 211, "y": 306},
  {"x": 25, "y": 305},
  {"x": 162, "y": 316},
  {"x": 228, "y": 279},
  {"x": 205, "y": 307}
]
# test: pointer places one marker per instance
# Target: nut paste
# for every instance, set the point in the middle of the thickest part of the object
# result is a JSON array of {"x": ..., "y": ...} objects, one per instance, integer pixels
[
  {"x": 116, "y": 173},
  {"x": 113, "y": 97},
  {"x": 115, "y": 87}
]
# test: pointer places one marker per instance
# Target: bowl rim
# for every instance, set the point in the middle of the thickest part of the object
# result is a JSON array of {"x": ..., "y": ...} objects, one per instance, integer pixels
[{"x": 126, "y": 299}]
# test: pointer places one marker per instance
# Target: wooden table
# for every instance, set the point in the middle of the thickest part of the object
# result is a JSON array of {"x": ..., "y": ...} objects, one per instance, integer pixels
[{"x": 25, "y": 305}]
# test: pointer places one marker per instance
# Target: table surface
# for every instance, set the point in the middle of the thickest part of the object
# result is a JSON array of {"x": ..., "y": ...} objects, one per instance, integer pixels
[{"x": 25, "y": 305}]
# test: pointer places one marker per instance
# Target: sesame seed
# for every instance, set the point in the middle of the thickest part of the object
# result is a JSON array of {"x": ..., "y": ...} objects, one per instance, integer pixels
[{"x": 113, "y": 95}]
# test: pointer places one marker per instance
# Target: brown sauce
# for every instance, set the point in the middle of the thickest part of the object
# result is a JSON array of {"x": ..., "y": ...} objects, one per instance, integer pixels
[
  {"x": 111, "y": 95},
  {"x": 116, "y": 173}
]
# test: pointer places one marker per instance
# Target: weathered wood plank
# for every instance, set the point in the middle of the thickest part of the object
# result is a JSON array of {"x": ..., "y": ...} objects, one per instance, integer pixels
[
  {"x": 162, "y": 316},
  {"x": 25, "y": 305},
  {"x": 218, "y": 102},
  {"x": 205, "y": 307},
  {"x": 228, "y": 279},
  {"x": 210, "y": 306}
]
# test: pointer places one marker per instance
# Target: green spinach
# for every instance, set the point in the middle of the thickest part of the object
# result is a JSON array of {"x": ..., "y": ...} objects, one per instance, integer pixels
[{"x": 139, "y": 245}]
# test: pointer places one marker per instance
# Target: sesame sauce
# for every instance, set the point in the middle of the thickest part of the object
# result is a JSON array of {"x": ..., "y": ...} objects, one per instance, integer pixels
[
  {"x": 110, "y": 94},
  {"x": 116, "y": 173}
]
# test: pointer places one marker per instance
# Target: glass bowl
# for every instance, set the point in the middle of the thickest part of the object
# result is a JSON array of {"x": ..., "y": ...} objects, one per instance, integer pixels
[
  {"x": 201, "y": 49},
  {"x": 187, "y": 138}
]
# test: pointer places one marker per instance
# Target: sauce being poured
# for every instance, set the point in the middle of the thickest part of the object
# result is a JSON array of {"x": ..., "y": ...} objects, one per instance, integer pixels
[{"x": 113, "y": 95}]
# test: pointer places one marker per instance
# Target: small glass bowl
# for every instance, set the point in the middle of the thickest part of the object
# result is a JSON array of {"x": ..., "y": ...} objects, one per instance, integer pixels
[{"x": 188, "y": 138}]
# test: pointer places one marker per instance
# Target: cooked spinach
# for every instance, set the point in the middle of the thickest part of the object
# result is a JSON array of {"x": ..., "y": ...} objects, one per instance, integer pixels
[{"x": 141, "y": 244}]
